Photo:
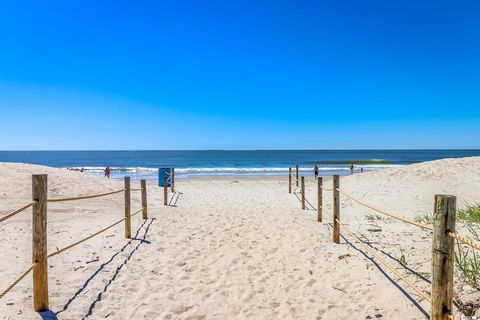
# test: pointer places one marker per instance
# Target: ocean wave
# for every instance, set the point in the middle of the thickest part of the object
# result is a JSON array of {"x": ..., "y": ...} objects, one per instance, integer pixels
[{"x": 219, "y": 171}]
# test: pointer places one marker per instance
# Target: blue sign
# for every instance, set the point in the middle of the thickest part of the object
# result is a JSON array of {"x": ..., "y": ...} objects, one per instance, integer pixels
[{"x": 161, "y": 172}]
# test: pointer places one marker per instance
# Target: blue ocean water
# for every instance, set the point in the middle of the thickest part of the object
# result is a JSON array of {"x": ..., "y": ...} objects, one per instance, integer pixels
[{"x": 144, "y": 164}]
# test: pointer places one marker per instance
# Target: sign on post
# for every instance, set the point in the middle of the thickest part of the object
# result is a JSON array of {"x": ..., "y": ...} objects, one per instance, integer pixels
[{"x": 161, "y": 174}]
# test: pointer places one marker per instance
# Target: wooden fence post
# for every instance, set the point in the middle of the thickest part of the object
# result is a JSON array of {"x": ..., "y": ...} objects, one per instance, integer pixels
[
  {"x": 303, "y": 192},
  {"x": 336, "y": 209},
  {"x": 290, "y": 180},
  {"x": 165, "y": 187},
  {"x": 128, "y": 222},
  {"x": 172, "y": 172},
  {"x": 296, "y": 175},
  {"x": 442, "y": 256},
  {"x": 39, "y": 242},
  {"x": 143, "y": 185},
  {"x": 319, "y": 199}
]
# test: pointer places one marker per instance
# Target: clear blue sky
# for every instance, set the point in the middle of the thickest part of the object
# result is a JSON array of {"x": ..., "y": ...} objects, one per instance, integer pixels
[{"x": 239, "y": 74}]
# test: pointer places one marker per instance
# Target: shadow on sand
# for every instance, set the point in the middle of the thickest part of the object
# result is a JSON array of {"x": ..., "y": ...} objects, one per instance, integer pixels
[
  {"x": 308, "y": 205},
  {"x": 385, "y": 274},
  {"x": 174, "y": 199},
  {"x": 50, "y": 315}
]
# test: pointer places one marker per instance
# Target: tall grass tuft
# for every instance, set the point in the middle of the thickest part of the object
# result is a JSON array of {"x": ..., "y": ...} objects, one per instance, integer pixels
[
  {"x": 469, "y": 267},
  {"x": 426, "y": 218},
  {"x": 468, "y": 261}
]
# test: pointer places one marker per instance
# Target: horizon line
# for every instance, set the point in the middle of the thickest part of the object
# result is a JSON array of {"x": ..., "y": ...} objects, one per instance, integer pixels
[{"x": 229, "y": 150}]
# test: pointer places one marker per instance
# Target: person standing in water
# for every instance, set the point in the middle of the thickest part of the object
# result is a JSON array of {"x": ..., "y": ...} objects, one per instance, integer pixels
[
  {"x": 107, "y": 172},
  {"x": 351, "y": 168},
  {"x": 315, "y": 171}
]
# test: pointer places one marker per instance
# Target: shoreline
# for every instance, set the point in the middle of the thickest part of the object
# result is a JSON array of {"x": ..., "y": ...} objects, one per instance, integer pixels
[{"x": 210, "y": 173}]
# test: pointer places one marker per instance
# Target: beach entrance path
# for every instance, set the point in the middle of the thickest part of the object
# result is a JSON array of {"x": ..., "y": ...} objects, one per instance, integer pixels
[
  {"x": 223, "y": 249},
  {"x": 244, "y": 250}
]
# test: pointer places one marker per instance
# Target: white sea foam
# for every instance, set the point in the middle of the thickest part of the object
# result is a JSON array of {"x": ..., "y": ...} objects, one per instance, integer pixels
[{"x": 151, "y": 173}]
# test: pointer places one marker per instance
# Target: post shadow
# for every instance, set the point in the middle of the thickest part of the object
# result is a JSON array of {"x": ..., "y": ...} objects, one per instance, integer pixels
[
  {"x": 50, "y": 315},
  {"x": 386, "y": 275},
  {"x": 174, "y": 199}
]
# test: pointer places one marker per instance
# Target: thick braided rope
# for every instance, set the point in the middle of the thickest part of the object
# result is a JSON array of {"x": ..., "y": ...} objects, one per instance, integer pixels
[
  {"x": 10, "y": 287},
  {"x": 326, "y": 189},
  {"x": 294, "y": 176},
  {"x": 84, "y": 239},
  {"x": 392, "y": 215},
  {"x": 386, "y": 264},
  {"x": 137, "y": 212},
  {"x": 11, "y": 214},
  {"x": 85, "y": 197},
  {"x": 465, "y": 240},
  {"x": 90, "y": 236}
]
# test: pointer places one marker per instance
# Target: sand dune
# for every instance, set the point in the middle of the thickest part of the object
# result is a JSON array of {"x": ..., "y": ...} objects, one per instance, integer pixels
[{"x": 230, "y": 249}]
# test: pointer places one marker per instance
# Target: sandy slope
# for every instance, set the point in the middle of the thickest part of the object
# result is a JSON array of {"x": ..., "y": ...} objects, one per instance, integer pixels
[{"x": 229, "y": 249}]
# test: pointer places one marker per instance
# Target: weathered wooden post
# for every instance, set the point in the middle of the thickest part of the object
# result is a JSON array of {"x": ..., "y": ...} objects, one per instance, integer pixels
[
  {"x": 128, "y": 222},
  {"x": 143, "y": 185},
  {"x": 303, "y": 192},
  {"x": 172, "y": 172},
  {"x": 336, "y": 209},
  {"x": 39, "y": 242},
  {"x": 319, "y": 199},
  {"x": 442, "y": 256},
  {"x": 296, "y": 175},
  {"x": 165, "y": 187},
  {"x": 290, "y": 180}
]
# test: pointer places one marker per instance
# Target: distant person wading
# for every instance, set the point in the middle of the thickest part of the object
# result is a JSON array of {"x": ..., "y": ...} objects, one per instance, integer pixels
[
  {"x": 107, "y": 172},
  {"x": 315, "y": 171}
]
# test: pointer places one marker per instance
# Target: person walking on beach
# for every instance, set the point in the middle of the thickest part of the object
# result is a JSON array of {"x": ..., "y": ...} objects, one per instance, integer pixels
[
  {"x": 351, "y": 168},
  {"x": 315, "y": 171}
]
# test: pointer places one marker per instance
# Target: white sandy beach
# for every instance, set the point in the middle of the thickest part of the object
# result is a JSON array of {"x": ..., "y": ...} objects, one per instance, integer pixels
[{"x": 229, "y": 248}]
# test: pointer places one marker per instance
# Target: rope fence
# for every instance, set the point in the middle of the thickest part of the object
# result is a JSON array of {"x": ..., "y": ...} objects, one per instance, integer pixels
[
  {"x": 85, "y": 197},
  {"x": 14, "y": 283},
  {"x": 385, "y": 263},
  {"x": 326, "y": 189},
  {"x": 464, "y": 240},
  {"x": 454, "y": 235},
  {"x": 39, "y": 229},
  {"x": 443, "y": 230},
  {"x": 91, "y": 236},
  {"x": 294, "y": 177},
  {"x": 13, "y": 213},
  {"x": 391, "y": 215}
]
